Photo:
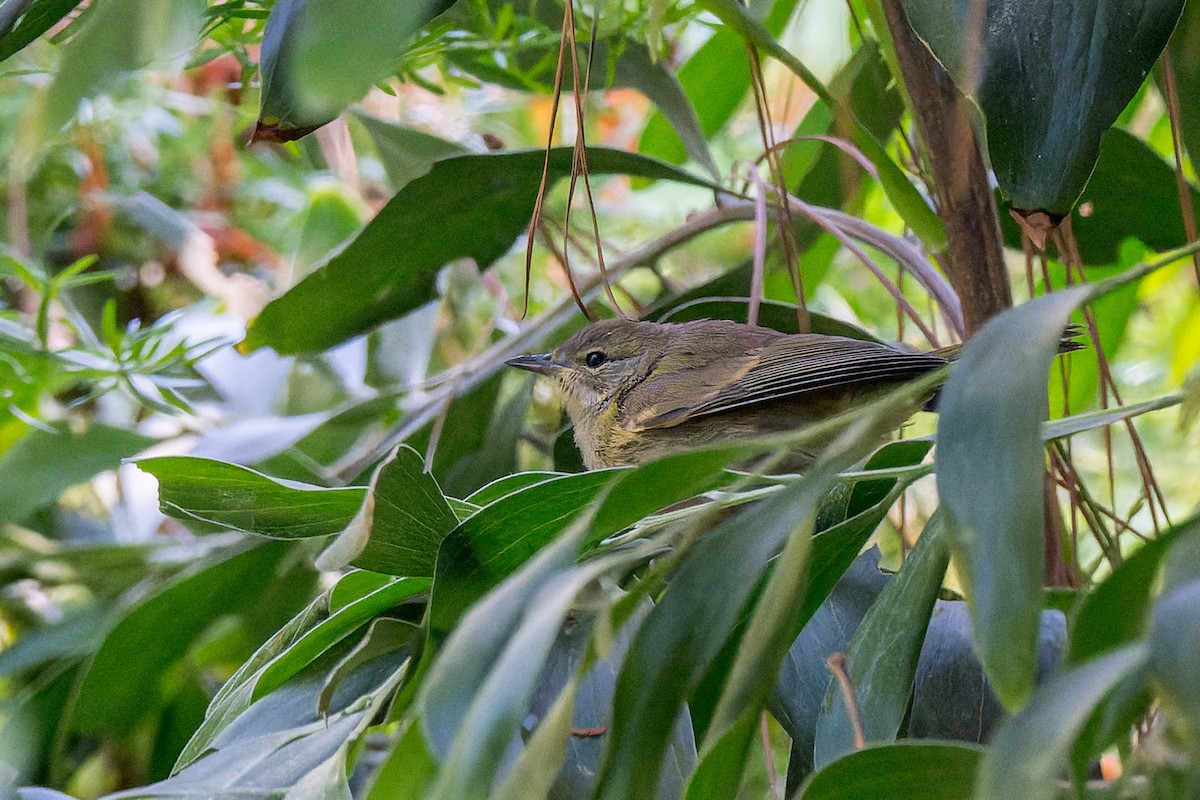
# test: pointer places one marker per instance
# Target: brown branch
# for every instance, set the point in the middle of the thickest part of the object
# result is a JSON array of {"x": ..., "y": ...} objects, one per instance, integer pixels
[{"x": 965, "y": 203}]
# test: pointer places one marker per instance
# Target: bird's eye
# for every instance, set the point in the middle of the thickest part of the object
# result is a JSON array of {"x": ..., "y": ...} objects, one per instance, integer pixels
[{"x": 595, "y": 359}]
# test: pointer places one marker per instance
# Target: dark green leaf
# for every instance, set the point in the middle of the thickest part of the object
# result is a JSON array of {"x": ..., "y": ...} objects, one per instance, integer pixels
[
  {"x": 951, "y": 697},
  {"x": 502, "y": 487},
  {"x": 1116, "y": 611},
  {"x": 333, "y": 629},
  {"x": 1032, "y": 749},
  {"x": 39, "y": 17},
  {"x": 715, "y": 79},
  {"x": 319, "y": 56},
  {"x": 685, "y": 631},
  {"x": 402, "y": 522},
  {"x": 231, "y": 496},
  {"x": 989, "y": 472},
  {"x": 1185, "y": 54},
  {"x": 283, "y": 742},
  {"x": 41, "y": 465},
  {"x": 471, "y": 206},
  {"x": 1053, "y": 77},
  {"x": 882, "y": 658},
  {"x": 800, "y": 690},
  {"x": 118, "y": 688},
  {"x": 900, "y": 771},
  {"x": 1175, "y": 657}
]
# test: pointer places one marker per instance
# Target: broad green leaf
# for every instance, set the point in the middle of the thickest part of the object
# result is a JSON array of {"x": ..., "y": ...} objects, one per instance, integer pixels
[
  {"x": 333, "y": 216},
  {"x": 401, "y": 524},
  {"x": 989, "y": 473},
  {"x": 406, "y": 153},
  {"x": 1116, "y": 611},
  {"x": 119, "y": 37},
  {"x": 319, "y": 56},
  {"x": 497, "y": 540},
  {"x": 480, "y": 688},
  {"x": 683, "y": 634},
  {"x": 39, "y": 17},
  {"x": 798, "y": 586},
  {"x": 234, "y": 696},
  {"x": 408, "y": 771},
  {"x": 1185, "y": 54},
  {"x": 115, "y": 693},
  {"x": 1131, "y": 194},
  {"x": 333, "y": 629},
  {"x": 804, "y": 677},
  {"x": 882, "y": 658},
  {"x": 1032, "y": 749},
  {"x": 42, "y": 464},
  {"x": 952, "y": 698},
  {"x": 283, "y": 744},
  {"x": 231, "y": 496},
  {"x": 502, "y": 487},
  {"x": 1175, "y": 657},
  {"x": 636, "y": 68},
  {"x": 1053, "y": 77},
  {"x": 911, "y": 770},
  {"x": 472, "y": 206}
]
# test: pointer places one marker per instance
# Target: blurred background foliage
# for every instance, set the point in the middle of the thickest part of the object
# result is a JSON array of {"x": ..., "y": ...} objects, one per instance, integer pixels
[{"x": 251, "y": 247}]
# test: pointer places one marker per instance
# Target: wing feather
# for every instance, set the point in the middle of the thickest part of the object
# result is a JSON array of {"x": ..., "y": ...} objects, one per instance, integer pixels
[{"x": 788, "y": 367}]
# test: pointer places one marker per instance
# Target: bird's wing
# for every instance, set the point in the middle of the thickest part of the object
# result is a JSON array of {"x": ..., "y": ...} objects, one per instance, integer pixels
[{"x": 790, "y": 366}]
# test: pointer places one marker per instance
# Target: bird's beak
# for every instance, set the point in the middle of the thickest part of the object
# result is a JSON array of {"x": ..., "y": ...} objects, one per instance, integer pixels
[{"x": 542, "y": 363}]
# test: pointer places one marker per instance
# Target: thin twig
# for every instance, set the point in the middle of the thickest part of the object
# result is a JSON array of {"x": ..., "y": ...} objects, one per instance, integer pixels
[{"x": 838, "y": 666}]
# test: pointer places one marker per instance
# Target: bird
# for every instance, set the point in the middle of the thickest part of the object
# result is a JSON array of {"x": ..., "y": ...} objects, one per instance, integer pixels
[{"x": 638, "y": 390}]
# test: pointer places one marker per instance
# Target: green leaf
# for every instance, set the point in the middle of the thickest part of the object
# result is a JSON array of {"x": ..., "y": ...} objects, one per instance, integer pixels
[
  {"x": 471, "y": 206},
  {"x": 989, "y": 474},
  {"x": 234, "y": 696},
  {"x": 39, "y": 17},
  {"x": 1175, "y": 657},
  {"x": 235, "y": 497},
  {"x": 42, "y": 464},
  {"x": 502, "y": 487},
  {"x": 882, "y": 658},
  {"x": 319, "y": 56},
  {"x": 408, "y": 771},
  {"x": 913, "y": 770},
  {"x": 118, "y": 689},
  {"x": 685, "y": 631},
  {"x": 1116, "y": 611},
  {"x": 1053, "y": 78},
  {"x": 479, "y": 690},
  {"x": 406, "y": 153},
  {"x": 1185, "y": 54},
  {"x": 1033, "y": 748},
  {"x": 283, "y": 743},
  {"x": 634, "y": 67},
  {"x": 120, "y": 36},
  {"x": 798, "y": 586},
  {"x": 497, "y": 540},
  {"x": 401, "y": 524},
  {"x": 1078, "y": 423},
  {"x": 333, "y": 629}
]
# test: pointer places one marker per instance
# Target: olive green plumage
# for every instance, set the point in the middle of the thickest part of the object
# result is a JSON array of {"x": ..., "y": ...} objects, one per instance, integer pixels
[{"x": 639, "y": 390}]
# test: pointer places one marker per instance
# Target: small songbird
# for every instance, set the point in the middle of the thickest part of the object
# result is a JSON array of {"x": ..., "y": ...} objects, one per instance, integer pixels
[{"x": 639, "y": 390}]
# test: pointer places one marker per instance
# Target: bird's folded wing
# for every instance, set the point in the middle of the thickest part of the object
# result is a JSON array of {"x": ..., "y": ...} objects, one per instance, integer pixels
[{"x": 789, "y": 367}]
